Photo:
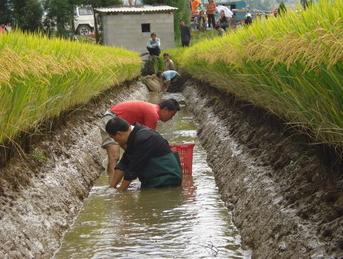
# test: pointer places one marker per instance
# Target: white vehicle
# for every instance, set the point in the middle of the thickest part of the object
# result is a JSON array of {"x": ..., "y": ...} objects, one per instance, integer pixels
[{"x": 83, "y": 20}]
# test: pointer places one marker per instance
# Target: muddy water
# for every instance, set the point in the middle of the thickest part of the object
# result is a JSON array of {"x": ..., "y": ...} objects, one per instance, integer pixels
[{"x": 185, "y": 222}]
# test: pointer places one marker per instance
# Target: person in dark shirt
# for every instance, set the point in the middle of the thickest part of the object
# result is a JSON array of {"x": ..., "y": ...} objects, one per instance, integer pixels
[
  {"x": 147, "y": 157},
  {"x": 248, "y": 19},
  {"x": 185, "y": 34},
  {"x": 144, "y": 113},
  {"x": 223, "y": 21}
]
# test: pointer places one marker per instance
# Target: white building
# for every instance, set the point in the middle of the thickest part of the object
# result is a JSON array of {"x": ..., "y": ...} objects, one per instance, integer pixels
[{"x": 130, "y": 27}]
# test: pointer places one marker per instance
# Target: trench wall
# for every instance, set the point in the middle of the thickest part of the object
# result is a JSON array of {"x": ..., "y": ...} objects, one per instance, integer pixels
[
  {"x": 41, "y": 193},
  {"x": 286, "y": 202}
]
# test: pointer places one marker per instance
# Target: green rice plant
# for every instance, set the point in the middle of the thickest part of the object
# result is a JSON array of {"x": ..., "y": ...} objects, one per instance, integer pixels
[
  {"x": 41, "y": 77},
  {"x": 290, "y": 65}
]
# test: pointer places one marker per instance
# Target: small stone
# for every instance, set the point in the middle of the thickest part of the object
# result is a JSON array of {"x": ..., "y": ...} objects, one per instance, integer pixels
[{"x": 282, "y": 246}]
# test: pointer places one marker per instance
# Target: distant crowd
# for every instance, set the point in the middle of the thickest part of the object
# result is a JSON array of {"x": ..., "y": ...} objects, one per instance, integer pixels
[{"x": 212, "y": 16}]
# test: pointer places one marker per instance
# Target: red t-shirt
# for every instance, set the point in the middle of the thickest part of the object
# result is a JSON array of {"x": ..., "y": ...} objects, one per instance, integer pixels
[{"x": 138, "y": 111}]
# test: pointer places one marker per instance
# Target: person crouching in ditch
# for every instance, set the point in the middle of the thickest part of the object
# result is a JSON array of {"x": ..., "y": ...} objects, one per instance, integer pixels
[
  {"x": 167, "y": 79},
  {"x": 142, "y": 112},
  {"x": 147, "y": 157}
]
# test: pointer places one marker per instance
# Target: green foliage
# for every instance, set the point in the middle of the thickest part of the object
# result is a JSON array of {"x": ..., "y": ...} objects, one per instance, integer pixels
[
  {"x": 153, "y": 65},
  {"x": 198, "y": 36},
  {"x": 5, "y": 12},
  {"x": 40, "y": 78},
  {"x": 61, "y": 12},
  {"x": 39, "y": 155},
  {"x": 291, "y": 65},
  {"x": 27, "y": 14},
  {"x": 101, "y": 3}
]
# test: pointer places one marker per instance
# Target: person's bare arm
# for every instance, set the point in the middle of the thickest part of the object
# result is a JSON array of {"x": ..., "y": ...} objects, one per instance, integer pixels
[
  {"x": 124, "y": 185},
  {"x": 113, "y": 153},
  {"x": 165, "y": 86},
  {"x": 116, "y": 178}
]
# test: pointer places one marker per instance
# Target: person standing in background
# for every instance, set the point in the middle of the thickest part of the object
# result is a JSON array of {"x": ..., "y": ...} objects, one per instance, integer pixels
[
  {"x": 185, "y": 34},
  {"x": 210, "y": 10},
  {"x": 195, "y": 7}
]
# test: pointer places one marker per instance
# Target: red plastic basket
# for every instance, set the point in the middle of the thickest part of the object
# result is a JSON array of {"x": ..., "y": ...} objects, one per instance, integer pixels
[{"x": 185, "y": 152}]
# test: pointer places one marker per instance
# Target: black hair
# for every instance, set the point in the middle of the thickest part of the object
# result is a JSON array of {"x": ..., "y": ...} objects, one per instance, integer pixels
[
  {"x": 116, "y": 124},
  {"x": 169, "y": 104}
]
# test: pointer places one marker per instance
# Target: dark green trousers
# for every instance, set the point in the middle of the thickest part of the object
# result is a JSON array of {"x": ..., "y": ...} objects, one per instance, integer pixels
[{"x": 161, "y": 172}]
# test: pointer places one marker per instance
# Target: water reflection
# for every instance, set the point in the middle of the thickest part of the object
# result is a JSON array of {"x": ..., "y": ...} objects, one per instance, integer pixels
[{"x": 190, "y": 221}]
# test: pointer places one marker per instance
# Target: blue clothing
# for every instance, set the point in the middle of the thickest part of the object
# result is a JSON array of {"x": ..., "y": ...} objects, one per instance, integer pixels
[
  {"x": 154, "y": 43},
  {"x": 169, "y": 74}
]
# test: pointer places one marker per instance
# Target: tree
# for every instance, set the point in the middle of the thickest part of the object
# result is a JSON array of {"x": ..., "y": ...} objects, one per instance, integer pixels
[
  {"x": 101, "y": 3},
  {"x": 59, "y": 13},
  {"x": 5, "y": 12},
  {"x": 27, "y": 14}
]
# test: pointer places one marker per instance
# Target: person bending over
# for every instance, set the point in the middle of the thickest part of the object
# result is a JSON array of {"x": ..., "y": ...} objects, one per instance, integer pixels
[
  {"x": 142, "y": 112},
  {"x": 167, "y": 77},
  {"x": 147, "y": 157}
]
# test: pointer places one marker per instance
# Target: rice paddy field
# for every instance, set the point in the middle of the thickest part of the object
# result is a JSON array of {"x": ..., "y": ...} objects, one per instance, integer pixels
[
  {"x": 41, "y": 77},
  {"x": 291, "y": 65}
]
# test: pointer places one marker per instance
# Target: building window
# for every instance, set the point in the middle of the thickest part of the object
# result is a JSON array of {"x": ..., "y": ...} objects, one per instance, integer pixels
[{"x": 145, "y": 27}]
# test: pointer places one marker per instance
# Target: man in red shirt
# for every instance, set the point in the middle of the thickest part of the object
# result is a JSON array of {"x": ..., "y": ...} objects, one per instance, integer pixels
[{"x": 142, "y": 112}]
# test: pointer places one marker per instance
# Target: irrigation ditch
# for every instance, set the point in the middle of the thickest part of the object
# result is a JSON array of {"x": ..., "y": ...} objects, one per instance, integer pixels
[{"x": 286, "y": 198}]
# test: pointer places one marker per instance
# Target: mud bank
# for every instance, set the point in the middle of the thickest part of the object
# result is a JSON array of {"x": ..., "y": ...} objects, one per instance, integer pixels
[
  {"x": 286, "y": 202},
  {"x": 41, "y": 194}
]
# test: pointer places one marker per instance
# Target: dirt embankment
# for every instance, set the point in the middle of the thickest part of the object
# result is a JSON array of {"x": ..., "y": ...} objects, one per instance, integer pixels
[
  {"x": 41, "y": 194},
  {"x": 287, "y": 199}
]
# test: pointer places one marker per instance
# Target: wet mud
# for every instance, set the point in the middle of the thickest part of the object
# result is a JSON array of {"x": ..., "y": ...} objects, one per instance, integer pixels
[
  {"x": 286, "y": 196},
  {"x": 41, "y": 192}
]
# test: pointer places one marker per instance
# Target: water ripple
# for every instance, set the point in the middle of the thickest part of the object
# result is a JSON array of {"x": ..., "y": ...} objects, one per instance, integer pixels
[{"x": 186, "y": 222}]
